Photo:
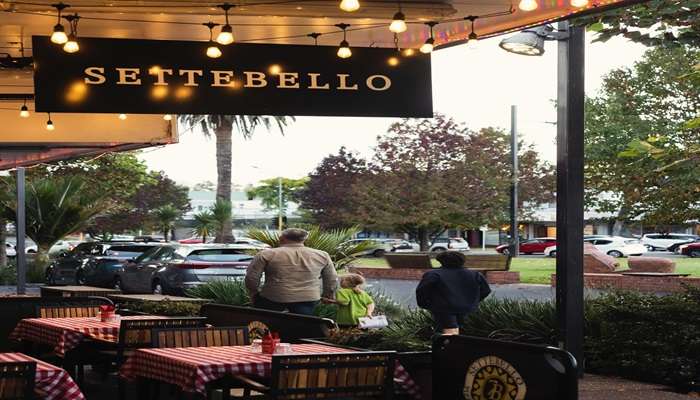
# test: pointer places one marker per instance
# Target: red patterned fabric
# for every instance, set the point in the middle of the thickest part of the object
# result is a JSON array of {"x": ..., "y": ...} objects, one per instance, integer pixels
[
  {"x": 191, "y": 368},
  {"x": 52, "y": 382},
  {"x": 66, "y": 333}
]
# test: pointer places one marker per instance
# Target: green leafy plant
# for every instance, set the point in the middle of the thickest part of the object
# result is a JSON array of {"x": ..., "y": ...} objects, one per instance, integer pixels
[
  {"x": 223, "y": 292},
  {"x": 335, "y": 242},
  {"x": 165, "y": 218},
  {"x": 165, "y": 307},
  {"x": 204, "y": 225}
]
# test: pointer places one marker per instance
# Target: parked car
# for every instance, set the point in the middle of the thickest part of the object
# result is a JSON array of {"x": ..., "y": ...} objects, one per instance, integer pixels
[
  {"x": 690, "y": 249},
  {"x": 614, "y": 246},
  {"x": 68, "y": 267},
  {"x": 662, "y": 241},
  {"x": 101, "y": 270},
  {"x": 405, "y": 246},
  {"x": 377, "y": 247},
  {"x": 174, "y": 268},
  {"x": 530, "y": 246},
  {"x": 676, "y": 247},
  {"x": 443, "y": 244},
  {"x": 10, "y": 250}
]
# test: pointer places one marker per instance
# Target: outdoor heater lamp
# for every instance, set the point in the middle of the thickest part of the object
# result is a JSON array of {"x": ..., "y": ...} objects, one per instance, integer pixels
[{"x": 530, "y": 42}]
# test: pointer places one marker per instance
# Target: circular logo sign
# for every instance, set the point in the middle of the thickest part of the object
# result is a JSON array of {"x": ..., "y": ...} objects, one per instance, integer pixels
[
  {"x": 256, "y": 330},
  {"x": 492, "y": 378}
]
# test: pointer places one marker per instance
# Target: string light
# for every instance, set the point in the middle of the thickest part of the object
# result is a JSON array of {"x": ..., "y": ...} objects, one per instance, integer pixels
[
  {"x": 71, "y": 46},
  {"x": 429, "y": 44},
  {"x": 314, "y": 36},
  {"x": 59, "y": 33},
  {"x": 24, "y": 111},
  {"x": 49, "y": 124},
  {"x": 398, "y": 23},
  {"x": 226, "y": 34},
  {"x": 350, "y": 5},
  {"x": 579, "y": 3},
  {"x": 213, "y": 50},
  {"x": 167, "y": 117},
  {"x": 344, "y": 47},
  {"x": 473, "y": 37},
  {"x": 409, "y": 52},
  {"x": 122, "y": 117},
  {"x": 528, "y": 5}
]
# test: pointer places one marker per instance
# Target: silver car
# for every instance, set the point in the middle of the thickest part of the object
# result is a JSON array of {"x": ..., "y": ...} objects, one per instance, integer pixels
[{"x": 174, "y": 268}]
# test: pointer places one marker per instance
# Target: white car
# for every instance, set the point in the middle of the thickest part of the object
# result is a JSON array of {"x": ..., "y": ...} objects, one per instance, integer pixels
[
  {"x": 443, "y": 244},
  {"x": 662, "y": 241},
  {"x": 57, "y": 248},
  {"x": 10, "y": 250},
  {"x": 614, "y": 246}
]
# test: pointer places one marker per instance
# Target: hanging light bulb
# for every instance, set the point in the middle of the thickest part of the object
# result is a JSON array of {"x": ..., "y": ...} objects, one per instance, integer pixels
[
  {"x": 122, "y": 117},
  {"x": 213, "y": 50},
  {"x": 59, "y": 33},
  {"x": 49, "y": 124},
  {"x": 429, "y": 44},
  {"x": 24, "y": 111},
  {"x": 71, "y": 46},
  {"x": 579, "y": 3},
  {"x": 167, "y": 117},
  {"x": 344, "y": 47},
  {"x": 226, "y": 34},
  {"x": 408, "y": 52},
  {"x": 350, "y": 5},
  {"x": 528, "y": 5},
  {"x": 398, "y": 23},
  {"x": 473, "y": 38}
]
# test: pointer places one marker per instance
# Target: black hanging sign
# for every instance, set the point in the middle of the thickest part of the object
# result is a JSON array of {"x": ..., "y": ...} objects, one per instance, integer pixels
[{"x": 174, "y": 77}]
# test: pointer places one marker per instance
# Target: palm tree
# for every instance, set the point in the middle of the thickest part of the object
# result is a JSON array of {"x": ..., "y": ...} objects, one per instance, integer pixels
[
  {"x": 55, "y": 207},
  {"x": 221, "y": 126},
  {"x": 335, "y": 242},
  {"x": 204, "y": 224},
  {"x": 165, "y": 218},
  {"x": 221, "y": 214}
]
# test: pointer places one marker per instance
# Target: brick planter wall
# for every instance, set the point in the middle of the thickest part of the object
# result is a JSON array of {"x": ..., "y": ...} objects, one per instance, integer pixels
[
  {"x": 414, "y": 274},
  {"x": 650, "y": 284}
]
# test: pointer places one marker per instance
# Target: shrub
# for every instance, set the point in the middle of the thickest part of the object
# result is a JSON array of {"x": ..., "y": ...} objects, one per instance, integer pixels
[
  {"x": 165, "y": 307},
  {"x": 223, "y": 292}
]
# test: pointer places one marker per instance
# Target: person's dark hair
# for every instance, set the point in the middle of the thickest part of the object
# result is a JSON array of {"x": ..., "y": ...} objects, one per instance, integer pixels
[
  {"x": 451, "y": 259},
  {"x": 295, "y": 235}
]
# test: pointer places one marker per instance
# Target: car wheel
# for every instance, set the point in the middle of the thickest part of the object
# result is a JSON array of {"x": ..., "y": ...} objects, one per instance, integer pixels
[
  {"x": 378, "y": 253},
  {"x": 506, "y": 252},
  {"x": 117, "y": 284},
  {"x": 31, "y": 251},
  {"x": 156, "y": 287},
  {"x": 80, "y": 278},
  {"x": 553, "y": 253},
  {"x": 615, "y": 253},
  {"x": 694, "y": 253},
  {"x": 649, "y": 248},
  {"x": 439, "y": 250}
]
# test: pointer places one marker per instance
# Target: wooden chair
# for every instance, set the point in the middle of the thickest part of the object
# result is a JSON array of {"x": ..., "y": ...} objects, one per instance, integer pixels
[
  {"x": 67, "y": 311},
  {"x": 17, "y": 380},
  {"x": 201, "y": 337},
  {"x": 361, "y": 375},
  {"x": 138, "y": 333}
]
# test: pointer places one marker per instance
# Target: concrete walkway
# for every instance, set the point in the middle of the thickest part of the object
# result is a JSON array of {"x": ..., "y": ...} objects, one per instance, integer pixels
[{"x": 595, "y": 387}]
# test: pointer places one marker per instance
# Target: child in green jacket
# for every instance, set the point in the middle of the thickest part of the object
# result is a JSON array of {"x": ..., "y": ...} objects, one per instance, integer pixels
[{"x": 353, "y": 302}]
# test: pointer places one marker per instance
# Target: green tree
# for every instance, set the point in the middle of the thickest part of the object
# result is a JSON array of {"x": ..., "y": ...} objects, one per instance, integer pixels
[
  {"x": 654, "y": 23},
  {"x": 204, "y": 224},
  {"x": 222, "y": 214},
  {"x": 222, "y": 126},
  {"x": 55, "y": 207},
  {"x": 268, "y": 191},
  {"x": 165, "y": 217},
  {"x": 637, "y": 109}
]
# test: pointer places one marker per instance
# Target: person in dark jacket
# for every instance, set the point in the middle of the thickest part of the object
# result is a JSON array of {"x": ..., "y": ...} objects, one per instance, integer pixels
[{"x": 451, "y": 292}]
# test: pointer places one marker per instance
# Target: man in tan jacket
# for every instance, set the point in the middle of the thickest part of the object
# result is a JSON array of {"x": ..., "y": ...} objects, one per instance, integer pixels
[{"x": 296, "y": 277}]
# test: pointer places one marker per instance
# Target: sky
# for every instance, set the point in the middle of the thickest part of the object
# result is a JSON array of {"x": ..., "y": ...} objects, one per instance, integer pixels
[{"x": 474, "y": 86}]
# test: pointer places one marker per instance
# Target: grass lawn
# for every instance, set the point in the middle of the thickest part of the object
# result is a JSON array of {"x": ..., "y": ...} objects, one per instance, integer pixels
[{"x": 539, "y": 269}]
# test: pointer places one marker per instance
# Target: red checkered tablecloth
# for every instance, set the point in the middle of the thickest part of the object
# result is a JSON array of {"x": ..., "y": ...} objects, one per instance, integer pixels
[
  {"x": 191, "y": 368},
  {"x": 52, "y": 382},
  {"x": 66, "y": 333}
]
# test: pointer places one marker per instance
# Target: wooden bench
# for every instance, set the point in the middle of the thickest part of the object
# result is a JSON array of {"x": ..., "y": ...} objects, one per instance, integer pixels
[
  {"x": 409, "y": 260},
  {"x": 488, "y": 262}
]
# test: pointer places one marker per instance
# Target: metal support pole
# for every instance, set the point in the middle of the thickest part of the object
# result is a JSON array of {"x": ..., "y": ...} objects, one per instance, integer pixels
[
  {"x": 279, "y": 203},
  {"x": 514, "y": 231},
  {"x": 570, "y": 120},
  {"x": 21, "y": 234}
]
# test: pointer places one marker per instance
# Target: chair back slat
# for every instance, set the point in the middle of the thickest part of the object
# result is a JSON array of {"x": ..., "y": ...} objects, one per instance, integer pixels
[
  {"x": 201, "y": 337},
  {"x": 138, "y": 333},
  {"x": 361, "y": 375},
  {"x": 17, "y": 380},
  {"x": 67, "y": 311}
]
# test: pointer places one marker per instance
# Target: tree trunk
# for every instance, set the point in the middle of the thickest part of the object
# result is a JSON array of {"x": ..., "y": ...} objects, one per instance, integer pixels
[
  {"x": 172, "y": 234},
  {"x": 41, "y": 261},
  {"x": 223, "y": 177},
  {"x": 423, "y": 239},
  {"x": 165, "y": 234},
  {"x": 3, "y": 247}
]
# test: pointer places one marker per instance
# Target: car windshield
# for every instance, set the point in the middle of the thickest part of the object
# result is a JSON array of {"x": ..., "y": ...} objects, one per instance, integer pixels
[
  {"x": 219, "y": 255},
  {"x": 147, "y": 255}
]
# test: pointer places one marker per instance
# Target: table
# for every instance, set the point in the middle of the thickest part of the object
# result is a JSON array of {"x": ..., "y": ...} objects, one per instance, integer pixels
[
  {"x": 51, "y": 382},
  {"x": 191, "y": 368},
  {"x": 66, "y": 334},
  {"x": 75, "y": 291}
]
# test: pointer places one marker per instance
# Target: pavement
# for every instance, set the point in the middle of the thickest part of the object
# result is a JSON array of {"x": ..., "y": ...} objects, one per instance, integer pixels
[{"x": 595, "y": 387}]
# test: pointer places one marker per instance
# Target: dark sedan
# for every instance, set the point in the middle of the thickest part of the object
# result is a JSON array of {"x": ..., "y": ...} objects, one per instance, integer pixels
[
  {"x": 173, "y": 268},
  {"x": 91, "y": 262}
]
